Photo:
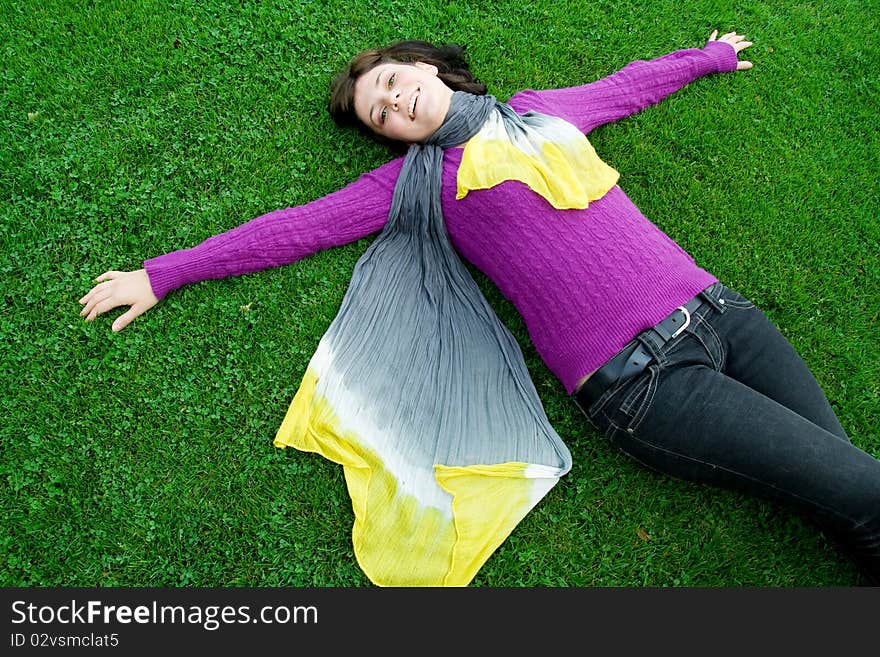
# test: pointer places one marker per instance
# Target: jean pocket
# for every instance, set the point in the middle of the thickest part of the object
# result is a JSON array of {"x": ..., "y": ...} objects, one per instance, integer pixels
[{"x": 637, "y": 397}]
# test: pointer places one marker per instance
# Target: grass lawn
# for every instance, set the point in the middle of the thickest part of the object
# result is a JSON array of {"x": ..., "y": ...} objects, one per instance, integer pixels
[{"x": 129, "y": 129}]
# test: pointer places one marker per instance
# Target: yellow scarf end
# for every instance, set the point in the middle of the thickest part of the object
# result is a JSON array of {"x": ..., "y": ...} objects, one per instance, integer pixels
[{"x": 567, "y": 173}]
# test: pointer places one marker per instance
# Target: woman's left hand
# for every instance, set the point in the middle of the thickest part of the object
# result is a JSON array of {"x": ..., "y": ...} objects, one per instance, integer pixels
[{"x": 738, "y": 42}]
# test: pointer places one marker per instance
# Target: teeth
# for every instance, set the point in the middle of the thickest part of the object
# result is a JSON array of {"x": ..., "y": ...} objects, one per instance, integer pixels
[{"x": 412, "y": 104}]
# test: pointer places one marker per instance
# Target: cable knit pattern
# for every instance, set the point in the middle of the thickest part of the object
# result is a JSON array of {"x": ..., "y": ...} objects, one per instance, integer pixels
[{"x": 585, "y": 281}]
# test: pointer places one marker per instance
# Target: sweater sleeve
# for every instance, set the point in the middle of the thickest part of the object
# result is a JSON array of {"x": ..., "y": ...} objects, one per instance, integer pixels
[
  {"x": 636, "y": 86},
  {"x": 283, "y": 236}
]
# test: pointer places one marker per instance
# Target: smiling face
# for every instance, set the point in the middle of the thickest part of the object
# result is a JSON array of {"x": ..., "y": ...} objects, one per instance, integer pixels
[{"x": 405, "y": 102}]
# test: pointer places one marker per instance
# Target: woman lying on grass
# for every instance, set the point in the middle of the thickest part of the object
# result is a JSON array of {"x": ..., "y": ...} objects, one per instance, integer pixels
[{"x": 423, "y": 396}]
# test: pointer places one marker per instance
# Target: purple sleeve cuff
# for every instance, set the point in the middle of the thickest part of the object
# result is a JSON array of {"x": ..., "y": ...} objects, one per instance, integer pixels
[
  {"x": 160, "y": 287},
  {"x": 723, "y": 54},
  {"x": 163, "y": 275}
]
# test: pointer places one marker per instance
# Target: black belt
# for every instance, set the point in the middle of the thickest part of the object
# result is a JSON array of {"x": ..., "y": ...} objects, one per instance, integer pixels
[{"x": 635, "y": 357}]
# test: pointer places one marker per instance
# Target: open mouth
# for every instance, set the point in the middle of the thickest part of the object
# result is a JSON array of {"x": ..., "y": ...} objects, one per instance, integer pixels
[{"x": 412, "y": 104}]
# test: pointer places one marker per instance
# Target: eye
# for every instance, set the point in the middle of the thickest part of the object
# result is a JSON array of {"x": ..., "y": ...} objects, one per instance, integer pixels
[
  {"x": 391, "y": 80},
  {"x": 383, "y": 115}
]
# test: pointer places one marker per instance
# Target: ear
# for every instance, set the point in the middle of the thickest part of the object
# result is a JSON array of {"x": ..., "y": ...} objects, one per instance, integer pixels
[{"x": 426, "y": 67}]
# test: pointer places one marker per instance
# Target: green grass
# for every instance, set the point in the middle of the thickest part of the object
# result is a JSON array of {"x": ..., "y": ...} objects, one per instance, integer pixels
[{"x": 145, "y": 458}]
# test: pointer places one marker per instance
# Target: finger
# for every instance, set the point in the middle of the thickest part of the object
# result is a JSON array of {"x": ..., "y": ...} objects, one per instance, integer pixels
[
  {"x": 742, "y": 66},
  {"x": 102, "y": 307},
  {"x": 713, "y": 35},
  {"x": 98, "y": 289},
  {"x": 94, "y": 300},
  {"x": 125, "y": 318},
  {"x": 107, "y": 275}
]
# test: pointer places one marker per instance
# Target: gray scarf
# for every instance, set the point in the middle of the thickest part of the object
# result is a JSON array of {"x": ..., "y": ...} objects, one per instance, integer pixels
[{"x": 421, "y": 392}]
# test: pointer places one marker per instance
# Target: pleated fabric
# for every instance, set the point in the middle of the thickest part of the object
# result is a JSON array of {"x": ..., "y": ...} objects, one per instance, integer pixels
[{"x": 421, "y": 393}]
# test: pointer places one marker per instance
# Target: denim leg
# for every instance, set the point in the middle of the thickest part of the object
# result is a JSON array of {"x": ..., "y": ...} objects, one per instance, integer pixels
[
  {"x": 704, "y": 426},
  {"x": 769, "y": 364},
  {"x": 688, "y": 417}
]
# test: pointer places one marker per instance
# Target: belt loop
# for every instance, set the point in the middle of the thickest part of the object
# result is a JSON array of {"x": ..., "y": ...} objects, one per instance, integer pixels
[
  {"x": 653, "y": 342},
  {"x": 709, "y": 296}
]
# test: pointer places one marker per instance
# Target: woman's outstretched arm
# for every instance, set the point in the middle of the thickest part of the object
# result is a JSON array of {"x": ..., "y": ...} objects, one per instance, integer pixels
[
  {"x": 270, "y": 240},
  {"x": 637, "y": 85}
]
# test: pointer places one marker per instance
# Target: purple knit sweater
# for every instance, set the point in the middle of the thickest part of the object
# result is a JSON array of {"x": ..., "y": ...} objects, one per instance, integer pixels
[{"x": 585, "y": 281}]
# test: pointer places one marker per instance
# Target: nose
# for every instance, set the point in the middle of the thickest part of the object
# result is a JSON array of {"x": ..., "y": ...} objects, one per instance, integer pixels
[{"x": 393, "y": 101}]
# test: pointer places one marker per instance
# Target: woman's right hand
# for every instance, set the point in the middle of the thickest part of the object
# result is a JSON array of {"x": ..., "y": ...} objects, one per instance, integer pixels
[{"x": 119, "y": 288}]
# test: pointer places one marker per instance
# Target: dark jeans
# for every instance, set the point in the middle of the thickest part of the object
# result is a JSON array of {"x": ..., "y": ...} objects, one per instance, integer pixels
[{"x": 729, "y": 402}]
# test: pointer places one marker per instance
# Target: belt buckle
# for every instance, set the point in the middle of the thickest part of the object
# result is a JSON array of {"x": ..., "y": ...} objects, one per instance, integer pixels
[{"x": 687, "y": 322}]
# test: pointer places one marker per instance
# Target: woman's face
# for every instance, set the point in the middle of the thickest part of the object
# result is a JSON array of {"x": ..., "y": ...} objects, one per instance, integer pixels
[{"x": 405, "y": 102}]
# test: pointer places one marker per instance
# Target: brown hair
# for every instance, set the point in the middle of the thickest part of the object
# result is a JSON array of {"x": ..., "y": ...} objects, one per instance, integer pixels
[{"x": 452, "y": 69}]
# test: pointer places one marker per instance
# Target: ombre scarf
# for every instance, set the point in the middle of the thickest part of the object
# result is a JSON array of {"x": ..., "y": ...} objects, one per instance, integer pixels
[{"x": 417, "y": 389}]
